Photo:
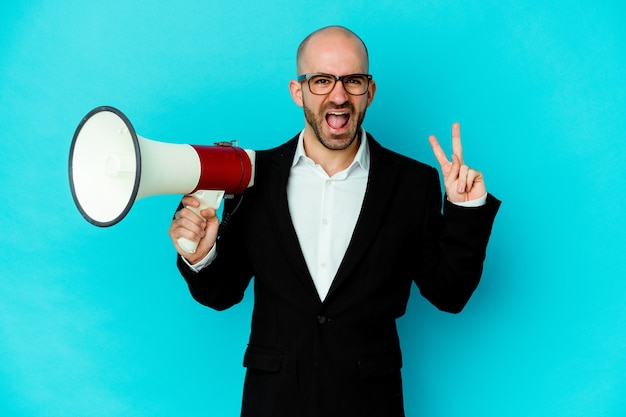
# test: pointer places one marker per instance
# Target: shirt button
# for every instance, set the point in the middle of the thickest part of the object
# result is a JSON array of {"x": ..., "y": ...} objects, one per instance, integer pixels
[{"x": 321, "y": 319}]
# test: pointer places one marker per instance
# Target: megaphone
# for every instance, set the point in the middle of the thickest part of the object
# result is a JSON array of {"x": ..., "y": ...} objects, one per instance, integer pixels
[{"x": 110, "y": 167}]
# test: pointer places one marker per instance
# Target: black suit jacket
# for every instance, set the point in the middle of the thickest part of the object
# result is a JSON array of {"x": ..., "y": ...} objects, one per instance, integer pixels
[{"x": 341, "y": 357}]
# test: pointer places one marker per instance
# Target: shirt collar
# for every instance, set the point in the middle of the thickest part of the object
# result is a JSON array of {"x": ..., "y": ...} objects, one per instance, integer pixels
[{"x": 362, "y": 157}]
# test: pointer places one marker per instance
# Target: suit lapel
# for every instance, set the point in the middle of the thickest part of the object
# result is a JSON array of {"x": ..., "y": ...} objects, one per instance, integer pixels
[
  {"x": 281, "y": 160},
  {"x": 382, "y": 177}
]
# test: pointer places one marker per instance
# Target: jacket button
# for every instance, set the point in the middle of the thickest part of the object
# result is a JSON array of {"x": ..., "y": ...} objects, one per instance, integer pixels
[{"x": 321, "y": 319}]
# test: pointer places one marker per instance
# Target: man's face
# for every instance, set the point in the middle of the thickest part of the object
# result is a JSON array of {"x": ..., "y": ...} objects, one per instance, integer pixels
[{"x": 335, "y": 118}]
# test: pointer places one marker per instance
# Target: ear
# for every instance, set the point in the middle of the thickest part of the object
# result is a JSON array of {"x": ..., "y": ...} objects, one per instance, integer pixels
[
  {"x": 370, "y": 92},
  {"x": 295, "y": 88}
]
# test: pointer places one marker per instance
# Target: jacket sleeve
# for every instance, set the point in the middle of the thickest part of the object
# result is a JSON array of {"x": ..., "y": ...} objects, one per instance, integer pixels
[
  {"x": 223, "y": 283},
  {"x": 453, "y": 251}
]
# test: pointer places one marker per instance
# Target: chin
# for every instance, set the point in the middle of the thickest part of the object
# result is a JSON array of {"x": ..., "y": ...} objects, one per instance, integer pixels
[{"x": 337, "y": 142}]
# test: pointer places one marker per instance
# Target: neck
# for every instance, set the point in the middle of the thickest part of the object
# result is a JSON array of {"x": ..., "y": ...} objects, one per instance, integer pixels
[{"x": 332, "y": 161}]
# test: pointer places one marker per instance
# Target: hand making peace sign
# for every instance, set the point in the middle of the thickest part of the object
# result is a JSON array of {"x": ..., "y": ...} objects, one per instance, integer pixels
[{"x": 462, "y": 183}]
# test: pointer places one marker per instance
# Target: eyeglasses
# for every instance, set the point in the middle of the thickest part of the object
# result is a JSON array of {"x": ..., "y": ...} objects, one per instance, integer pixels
[{"x": 321, "y": 84}]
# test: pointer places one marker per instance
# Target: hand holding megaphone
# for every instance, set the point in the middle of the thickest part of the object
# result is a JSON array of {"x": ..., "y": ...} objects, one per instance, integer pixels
[
  {"x": 207, "y": 199},
  {"x": 110, "y": 167},
  {"x": 199, "y": 226}
]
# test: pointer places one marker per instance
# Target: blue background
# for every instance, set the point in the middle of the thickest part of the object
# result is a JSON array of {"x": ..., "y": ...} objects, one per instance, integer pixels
[{"x": 97, "y": 322}]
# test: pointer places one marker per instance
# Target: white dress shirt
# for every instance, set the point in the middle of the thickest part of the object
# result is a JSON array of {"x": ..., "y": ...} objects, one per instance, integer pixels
[{"x": 324, "y": 210}]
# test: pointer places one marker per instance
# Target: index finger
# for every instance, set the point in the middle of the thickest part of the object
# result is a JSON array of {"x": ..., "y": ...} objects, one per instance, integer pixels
[
  {"x": 189, "y": 200},
  {"x": 457, "y": 148},
  {"x": 439, "y": 153}
]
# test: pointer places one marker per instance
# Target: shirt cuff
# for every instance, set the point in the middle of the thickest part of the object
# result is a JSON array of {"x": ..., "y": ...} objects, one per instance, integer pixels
[
  {"x": 204, "y": 262},
  {"x": 481, "y": 201}
]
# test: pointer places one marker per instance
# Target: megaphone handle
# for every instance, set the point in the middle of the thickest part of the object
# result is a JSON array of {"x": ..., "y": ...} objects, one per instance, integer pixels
[{"x": 207, "y": 198}]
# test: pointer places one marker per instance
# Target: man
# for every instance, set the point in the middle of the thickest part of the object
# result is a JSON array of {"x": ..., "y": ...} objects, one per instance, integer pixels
[{"x": 334, "y": 231}]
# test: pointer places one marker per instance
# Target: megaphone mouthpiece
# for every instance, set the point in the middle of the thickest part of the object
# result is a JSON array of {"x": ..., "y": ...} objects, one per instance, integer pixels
[{"x": 224, "y": 167}]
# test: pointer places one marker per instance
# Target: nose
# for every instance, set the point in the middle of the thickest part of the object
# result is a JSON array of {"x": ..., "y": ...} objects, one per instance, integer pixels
[{"x": 338, "y": 94}]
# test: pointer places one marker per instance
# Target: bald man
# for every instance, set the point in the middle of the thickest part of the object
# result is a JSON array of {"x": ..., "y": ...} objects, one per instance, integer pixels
[{"x": 335, "y": 232}]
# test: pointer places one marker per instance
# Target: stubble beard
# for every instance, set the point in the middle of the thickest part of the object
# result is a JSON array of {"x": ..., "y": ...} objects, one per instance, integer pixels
[{"x": 334, "y": 142}]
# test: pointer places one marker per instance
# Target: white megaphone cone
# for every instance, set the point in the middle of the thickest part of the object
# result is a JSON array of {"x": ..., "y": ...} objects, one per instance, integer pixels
[{"x": 110, "y": 167}]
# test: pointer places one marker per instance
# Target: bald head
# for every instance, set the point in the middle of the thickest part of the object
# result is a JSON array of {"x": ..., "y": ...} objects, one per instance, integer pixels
[{"x": 330, "y": 32}]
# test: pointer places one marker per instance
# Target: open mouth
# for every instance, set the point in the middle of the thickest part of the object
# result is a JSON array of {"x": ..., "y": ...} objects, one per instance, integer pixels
[{"x": 337, "y": 119}]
